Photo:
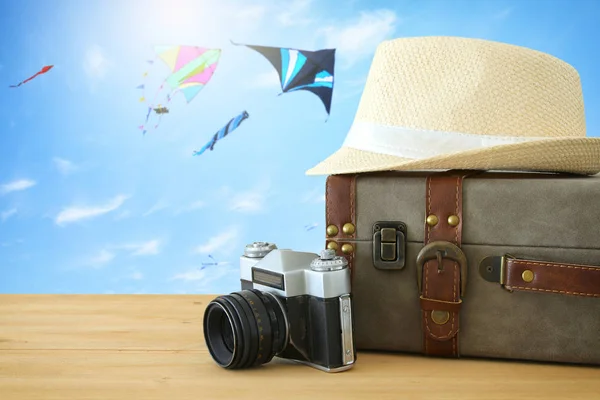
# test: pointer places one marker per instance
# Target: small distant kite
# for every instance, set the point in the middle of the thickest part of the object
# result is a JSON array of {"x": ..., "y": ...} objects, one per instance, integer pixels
[
  {"x": 215, "y": 262},
  {"x": 311, "y": 226},
  {"x": 191, "y": 69},
  {"x": 40, "y": 72},
  {"x": 302, "y": 69},
  {"x": 161, "y": 110},
  {"x": 227, "y": 129}
]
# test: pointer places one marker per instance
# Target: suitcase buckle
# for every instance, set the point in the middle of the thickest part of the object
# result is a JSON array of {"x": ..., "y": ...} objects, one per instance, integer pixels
[{"x": 438, "y": 250}]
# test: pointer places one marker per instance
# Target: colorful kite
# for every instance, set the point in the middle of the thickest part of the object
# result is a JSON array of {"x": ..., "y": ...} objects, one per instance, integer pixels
[
  {"x": 191, "y": 68},
  {"x": 226, "y": 130},
  {"x": 40, "y": 72},
  {"x": 302, "y": 69}
]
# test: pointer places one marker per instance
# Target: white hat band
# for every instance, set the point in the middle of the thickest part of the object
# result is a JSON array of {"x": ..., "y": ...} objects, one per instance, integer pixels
[{"x": 418, "y": 143}]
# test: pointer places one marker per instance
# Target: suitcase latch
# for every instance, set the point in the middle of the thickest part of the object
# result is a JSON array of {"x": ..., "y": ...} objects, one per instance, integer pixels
[{"x": 389, "y": 245}]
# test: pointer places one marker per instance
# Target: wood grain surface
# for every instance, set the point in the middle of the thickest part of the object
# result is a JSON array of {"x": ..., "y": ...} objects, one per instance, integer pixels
[{"x": 151, "y": 347}]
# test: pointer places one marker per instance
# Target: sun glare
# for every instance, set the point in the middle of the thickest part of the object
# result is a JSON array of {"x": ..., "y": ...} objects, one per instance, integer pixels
[{"x": 178, "y": 20}]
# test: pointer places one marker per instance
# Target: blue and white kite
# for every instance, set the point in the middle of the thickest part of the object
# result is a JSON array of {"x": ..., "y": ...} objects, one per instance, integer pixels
[
  {"x": 302, "y": 69},
  {"x": 224, "y": 131}
]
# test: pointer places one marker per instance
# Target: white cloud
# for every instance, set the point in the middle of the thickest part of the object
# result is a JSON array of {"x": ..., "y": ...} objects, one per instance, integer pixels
[
  {"x": 18, "y": 185},
  {"x": 358, "y": 38},
  {"x": 95, "y": 63},
  {"x": 267, "y": 79},
  {"x": 217, "y": 242},
  {"x": 192, "y": 275},
  {"x": 7, "y": 214},
  {"x": 137, "y": 276},
  {"x": 11, "y": 243},
  {"x": 293, "y": 15},
  {"x": 110, "y": 252},
  {"x": 65, "y": 167},
  {"x": 158, "y": 206},
  {"x": 250, "y": 201},
  {"x": 202, "y": 279},
  {"x": 196, "y": 205},
  {"x": 122, "y": 215},
  {"x": 249, "y": 14},
  {"x": 213, "y": 275},
  {"x": 148, "y": 248},
  {"x": 503, "y": 14},
  {"x": 101, "y": 258},
  {"x": 314, "y": 196},
  {"x": 77, "y": 213},
  {"x": 191, "y": 207}
]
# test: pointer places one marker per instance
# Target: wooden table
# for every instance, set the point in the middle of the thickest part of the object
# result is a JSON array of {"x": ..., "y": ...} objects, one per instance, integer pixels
[{"x": 151, "y": 347}]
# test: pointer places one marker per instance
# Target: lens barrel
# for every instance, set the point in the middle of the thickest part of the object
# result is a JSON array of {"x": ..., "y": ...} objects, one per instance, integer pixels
[{"x": 245, "y": 329}]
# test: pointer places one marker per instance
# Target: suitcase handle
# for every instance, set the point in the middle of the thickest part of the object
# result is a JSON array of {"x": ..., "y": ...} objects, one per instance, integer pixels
[{"x": 520, "y": 274}]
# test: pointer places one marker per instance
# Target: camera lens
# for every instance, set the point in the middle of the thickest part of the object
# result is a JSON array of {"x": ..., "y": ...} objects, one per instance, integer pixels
[
  {"x": 227, "y": 333},
  {"x": 244, "y": 329}
]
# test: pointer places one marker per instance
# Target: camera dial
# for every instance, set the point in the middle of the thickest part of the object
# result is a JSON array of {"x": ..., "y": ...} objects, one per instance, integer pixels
[
  {"x": 258, "y": 249},
  {"x": 328, "y": 262}
]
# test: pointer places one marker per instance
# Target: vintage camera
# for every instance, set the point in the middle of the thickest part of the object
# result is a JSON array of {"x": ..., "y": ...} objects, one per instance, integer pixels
[{"x": 292, "y": 305}]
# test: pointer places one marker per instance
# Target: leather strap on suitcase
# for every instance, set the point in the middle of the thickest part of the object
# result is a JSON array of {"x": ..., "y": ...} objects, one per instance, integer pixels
[
  {"x": 341, "y": 216},
  {"x": 441, "y": 264},
  {"x": 541, "y": 276}
]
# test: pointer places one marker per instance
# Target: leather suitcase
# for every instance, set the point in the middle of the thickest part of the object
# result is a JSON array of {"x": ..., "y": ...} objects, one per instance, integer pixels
[{"x": 471, "y": 263}]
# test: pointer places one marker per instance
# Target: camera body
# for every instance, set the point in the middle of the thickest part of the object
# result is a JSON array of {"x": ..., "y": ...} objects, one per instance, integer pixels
[
  {"x": 293, "y": 305},
  {"x": 316, "y": 293}
]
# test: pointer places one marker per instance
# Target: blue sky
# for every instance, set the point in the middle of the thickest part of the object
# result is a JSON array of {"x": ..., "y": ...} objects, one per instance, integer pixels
[{"x": 89, "y": 205}]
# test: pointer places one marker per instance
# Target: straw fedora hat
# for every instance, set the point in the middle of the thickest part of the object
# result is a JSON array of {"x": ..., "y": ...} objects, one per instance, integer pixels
[{"x": 457, "y": 103}]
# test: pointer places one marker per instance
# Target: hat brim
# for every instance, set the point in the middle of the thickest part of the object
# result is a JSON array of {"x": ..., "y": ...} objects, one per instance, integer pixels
[{"x": 560, "y": 155}]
